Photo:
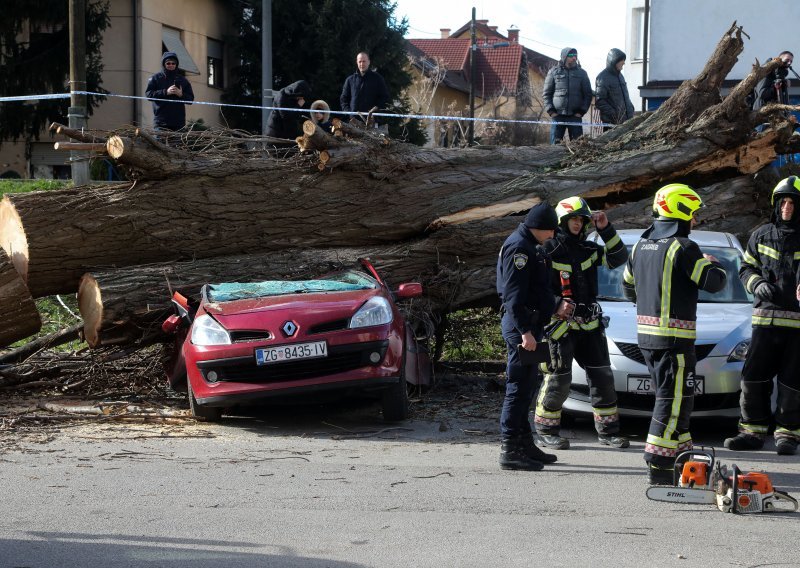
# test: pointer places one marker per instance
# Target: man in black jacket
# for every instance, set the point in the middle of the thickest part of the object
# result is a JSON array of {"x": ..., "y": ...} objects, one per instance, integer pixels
[
  {"x": 527, "y": 303},
  {"x": 582, "y": 337},
  {"x": 170, "y": 84},
  {"x": 774, "y": 88},
  {"x": 364, "y": 90},
  {"x": 288, "y": 124},
  {"x": 611, "y": 91},
  {"x": 664, "y": 272},
  {"x": 567, "y": 96},
  {"x": 769, "y": 272}
]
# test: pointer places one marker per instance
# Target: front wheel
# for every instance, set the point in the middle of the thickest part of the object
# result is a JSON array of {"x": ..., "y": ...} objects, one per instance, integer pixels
[
  {"x": 208, "y": 413},
  {"x": 394, "y": 401}
]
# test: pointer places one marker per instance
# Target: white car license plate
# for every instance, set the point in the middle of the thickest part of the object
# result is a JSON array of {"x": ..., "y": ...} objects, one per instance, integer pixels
[
  {"x": 644, "y": 384},
  {"x": 292, "y": 352}
]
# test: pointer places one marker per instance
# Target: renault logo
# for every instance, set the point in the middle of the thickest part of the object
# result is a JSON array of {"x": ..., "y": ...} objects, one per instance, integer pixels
[{"x": 289, "y": 328}]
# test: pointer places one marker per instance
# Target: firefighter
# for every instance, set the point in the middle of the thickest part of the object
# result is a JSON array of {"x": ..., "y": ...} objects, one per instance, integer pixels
[
  {"x": 663, "y": 275},
  {"x": 527, "y": 303},
  {"x": 582, "y": 337},
  {"x": 769, "y": 272}
]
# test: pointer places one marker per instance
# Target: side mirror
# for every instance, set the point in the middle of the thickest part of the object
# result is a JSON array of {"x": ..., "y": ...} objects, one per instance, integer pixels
[
  {"x": 409, "y": 290},
  {"x": 171, "y": 324}
]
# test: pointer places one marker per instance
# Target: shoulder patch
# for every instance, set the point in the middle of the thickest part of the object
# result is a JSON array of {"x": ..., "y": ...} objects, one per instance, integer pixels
[{"x": 520, "y": 260}]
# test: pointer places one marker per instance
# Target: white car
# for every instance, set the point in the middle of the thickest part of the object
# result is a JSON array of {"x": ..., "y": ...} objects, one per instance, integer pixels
[{"x": 723, "y": 337}]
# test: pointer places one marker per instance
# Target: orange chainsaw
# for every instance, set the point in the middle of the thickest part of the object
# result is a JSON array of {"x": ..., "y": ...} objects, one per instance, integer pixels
[{"x": 700, "y": 479}]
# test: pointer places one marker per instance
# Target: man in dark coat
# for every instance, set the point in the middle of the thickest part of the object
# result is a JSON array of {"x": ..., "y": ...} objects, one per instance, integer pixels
[
  {"x": 170, "y": 84},
  {"x": 611, "y": 91},
  {"x": 567, "y": 96},
  {"x": 364, "y": 90},
  {"x": 288, "y": 123},
  {"x": 774, "y": 88}
]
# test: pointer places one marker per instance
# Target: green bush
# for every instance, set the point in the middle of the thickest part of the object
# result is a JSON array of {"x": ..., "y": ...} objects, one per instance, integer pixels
[{"x": 473, "y": 335}]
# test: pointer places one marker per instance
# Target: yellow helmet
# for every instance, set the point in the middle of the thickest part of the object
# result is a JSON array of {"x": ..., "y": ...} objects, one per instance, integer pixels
[
  {"x": 788, "y": 187},
  {"x": 573, "y": 207},
  {"x": 676, "y": 201}
]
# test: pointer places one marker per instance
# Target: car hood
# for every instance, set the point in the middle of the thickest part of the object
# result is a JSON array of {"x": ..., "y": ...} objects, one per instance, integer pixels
[
  {"x": 254, "y": 313},
  {"x": 724, "y": 324}
]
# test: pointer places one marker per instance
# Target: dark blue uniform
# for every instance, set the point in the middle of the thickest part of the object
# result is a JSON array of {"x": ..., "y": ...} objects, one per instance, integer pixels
[{"x": 523, "y": 284}]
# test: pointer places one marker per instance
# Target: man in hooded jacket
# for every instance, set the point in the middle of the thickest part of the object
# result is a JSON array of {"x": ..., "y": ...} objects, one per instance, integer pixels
[
  {"x": 770, "y": 273},
  {"x": 288, "y": 123},
  {"x": 664, "y": 272},
  {"x": 567, "y": 96},
  {"x": 170, "y": 84},
  {"x": 611, "y": 91}
]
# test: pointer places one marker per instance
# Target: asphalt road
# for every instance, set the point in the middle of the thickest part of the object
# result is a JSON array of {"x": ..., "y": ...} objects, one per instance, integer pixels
[{"x": 336, "y": 487}]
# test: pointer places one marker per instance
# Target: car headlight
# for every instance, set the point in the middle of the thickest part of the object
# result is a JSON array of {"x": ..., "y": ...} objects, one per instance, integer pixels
[
  {"x": 207, "y": 331},
  {"x": 739, "y": 352},
  {"x": 376, "y": 311}
]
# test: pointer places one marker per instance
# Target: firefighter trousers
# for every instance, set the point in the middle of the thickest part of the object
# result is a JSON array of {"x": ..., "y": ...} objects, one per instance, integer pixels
[
  {"x": 773, "y": 351},
  {"x": 672, "y": 371},
  {"x": 590, "y": 349}
]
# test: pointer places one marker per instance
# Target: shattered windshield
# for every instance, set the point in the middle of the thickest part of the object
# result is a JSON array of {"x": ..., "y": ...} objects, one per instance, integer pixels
[{"x": 345, "y": 281}]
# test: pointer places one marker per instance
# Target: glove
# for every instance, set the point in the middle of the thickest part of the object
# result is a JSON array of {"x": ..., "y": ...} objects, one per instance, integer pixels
[{"x": 764, "y": 291}]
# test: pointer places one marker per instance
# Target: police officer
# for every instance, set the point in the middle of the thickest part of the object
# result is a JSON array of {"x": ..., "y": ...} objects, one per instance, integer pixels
[
  {"x": 769, "y": 272},
  {"x": 574, "y": 277},
  {"x": 663, "y": 275},
  {"x": 527, "y": 303}
]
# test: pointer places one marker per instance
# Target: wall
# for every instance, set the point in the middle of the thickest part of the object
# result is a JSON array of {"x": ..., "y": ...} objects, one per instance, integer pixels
[{"x": 684, "y": 33}]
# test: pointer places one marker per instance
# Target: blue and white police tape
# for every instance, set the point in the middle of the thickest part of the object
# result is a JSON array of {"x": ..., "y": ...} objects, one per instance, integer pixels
[{"x": 304, "y": 110}]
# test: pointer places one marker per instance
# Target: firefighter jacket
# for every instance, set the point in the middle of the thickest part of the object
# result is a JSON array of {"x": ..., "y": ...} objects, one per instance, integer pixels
[
  {"x": 773, "y": 256},
  {"x": 575, "y": 261},
  {"x": 523, "y": 282},
  {"x": 663, "y": 275}
]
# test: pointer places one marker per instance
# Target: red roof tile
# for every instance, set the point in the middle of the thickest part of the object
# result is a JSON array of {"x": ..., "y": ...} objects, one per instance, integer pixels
[{"x": 453, "y": 52}]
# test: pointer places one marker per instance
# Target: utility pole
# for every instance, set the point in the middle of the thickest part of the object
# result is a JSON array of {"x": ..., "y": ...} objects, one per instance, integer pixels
[
  {"x": 472, "y": 58},
  {"x": 645, "y": 50},
  {"x": 266, "y": 62},
  {"x": 77, "y": 82}
]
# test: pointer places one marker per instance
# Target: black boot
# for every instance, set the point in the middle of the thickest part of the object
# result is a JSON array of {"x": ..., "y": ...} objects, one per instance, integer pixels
[
  {"x": 553, "y": 441},
  {"x": 786, "y": 446},
  {"x": 660, "y": 476},
  {"x": 535, "y": 453},
  {"x": 513, "y": 456},
  {"x": 613, "y": 440},
  {"x": 744, "y": 442}
]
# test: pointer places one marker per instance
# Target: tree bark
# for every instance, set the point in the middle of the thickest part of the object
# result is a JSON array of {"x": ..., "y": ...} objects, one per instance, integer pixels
[{"x": 17, "y": 309}]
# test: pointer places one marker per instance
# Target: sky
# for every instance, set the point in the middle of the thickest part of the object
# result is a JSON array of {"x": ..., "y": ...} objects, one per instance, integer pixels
[{"x": 590, "y": 26}]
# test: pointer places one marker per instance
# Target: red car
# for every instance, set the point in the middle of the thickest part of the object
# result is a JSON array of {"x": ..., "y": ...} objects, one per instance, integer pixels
[{"x": 245, "y": 342}]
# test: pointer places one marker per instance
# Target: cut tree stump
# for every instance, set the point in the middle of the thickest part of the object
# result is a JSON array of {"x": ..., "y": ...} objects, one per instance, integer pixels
[{"x": 18, "y": 313}]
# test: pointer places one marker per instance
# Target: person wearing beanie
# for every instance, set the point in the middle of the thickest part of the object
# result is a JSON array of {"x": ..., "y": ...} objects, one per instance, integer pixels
[
  {"x": 526, "y": 305},
  {"x": 662, "y": 277},
  {"x": 582, "y": 337},
  {"x": 169, "y": 83},
  {"x": 770, "y": 272},
  {"x": 567, "y": 96}
]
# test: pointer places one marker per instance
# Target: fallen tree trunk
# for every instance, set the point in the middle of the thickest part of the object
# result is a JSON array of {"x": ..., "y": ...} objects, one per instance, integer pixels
[
  {"x": 456, "y": 266},
  {"x": 17, "y": 309}
]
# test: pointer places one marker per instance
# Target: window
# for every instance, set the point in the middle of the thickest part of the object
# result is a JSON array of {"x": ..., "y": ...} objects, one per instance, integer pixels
[
  {"x": 216, "y": 77},
  {"x": 637, "y": 34},
  {"x": 171, "y": 41}
]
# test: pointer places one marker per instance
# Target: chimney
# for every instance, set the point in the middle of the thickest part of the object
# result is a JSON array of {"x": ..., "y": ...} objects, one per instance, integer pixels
[
  {"x": 513, "y": 34},
  {"x": 445, "y": 32},
  {"x": 484, "y": 22},
  {"x": 493, "y": 28}
]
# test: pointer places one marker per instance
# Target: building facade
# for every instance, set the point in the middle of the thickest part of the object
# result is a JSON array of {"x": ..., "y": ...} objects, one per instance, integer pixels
[{"x": 138, "y": 33}]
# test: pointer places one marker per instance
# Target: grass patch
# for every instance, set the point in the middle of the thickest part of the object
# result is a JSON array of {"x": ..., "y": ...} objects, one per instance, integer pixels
[
  {"x": 25, "y": 186},
  {"x": 474, "y": 335},
  {"x": 56, "y": 317}
]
